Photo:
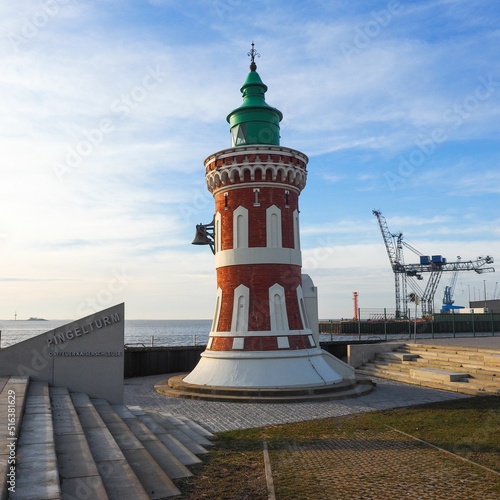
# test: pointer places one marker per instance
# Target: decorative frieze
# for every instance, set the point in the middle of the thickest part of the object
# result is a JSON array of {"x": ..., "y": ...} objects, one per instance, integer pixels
[{"x": 257, "y": 165}]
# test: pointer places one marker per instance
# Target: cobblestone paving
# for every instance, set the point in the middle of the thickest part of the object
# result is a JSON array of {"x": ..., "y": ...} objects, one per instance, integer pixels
[
  {"x": 362, "y": 465},
  {"x": 373, "y": 466},
  {"x": 220, "y": 416}
]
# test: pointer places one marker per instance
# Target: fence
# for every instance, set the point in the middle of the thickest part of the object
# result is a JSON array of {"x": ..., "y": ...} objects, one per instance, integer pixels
[
  {"x": 145, "y": 361},
  {"x": 439, "y": 324}
]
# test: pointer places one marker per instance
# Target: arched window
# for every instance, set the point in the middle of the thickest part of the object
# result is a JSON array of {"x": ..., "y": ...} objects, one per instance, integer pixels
[
  {"x": 302, "y": 308},
  {"x": 218, "y": 233},
  {"x": 239, "y": 321},
  {"x": 273, "y": 227},
  {"x": 277, "y": 309},
  {"x": 240, "y": 228},
  {"x": 218, "y": 304},
  {"x": 296, "y": 235}
]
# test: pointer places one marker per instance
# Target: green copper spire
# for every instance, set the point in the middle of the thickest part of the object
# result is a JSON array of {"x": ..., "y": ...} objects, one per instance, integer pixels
[{"x": 254, "y": 122}]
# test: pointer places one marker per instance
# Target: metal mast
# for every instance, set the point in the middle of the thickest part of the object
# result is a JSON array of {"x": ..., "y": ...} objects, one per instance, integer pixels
[
  {"x": 394, "y": 247},
  {"x": 356, "y": 307}
]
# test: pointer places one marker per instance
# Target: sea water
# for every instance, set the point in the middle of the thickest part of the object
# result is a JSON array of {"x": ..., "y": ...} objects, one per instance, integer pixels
[
  {"x": 140, "y": 332},
  {"x": 137, "y": 332}
]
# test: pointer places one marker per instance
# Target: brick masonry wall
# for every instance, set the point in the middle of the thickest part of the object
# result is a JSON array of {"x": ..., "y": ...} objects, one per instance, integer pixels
[
  {"x": 259, "y": 278},
  {"x": 265, "y": 343},
  {"x": 233, "y": 187},
  {"x": 245, "y": 197}
]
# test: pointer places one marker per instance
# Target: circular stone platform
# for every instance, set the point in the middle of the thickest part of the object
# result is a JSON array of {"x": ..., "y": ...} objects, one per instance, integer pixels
[{"x": 176, "y": 387}]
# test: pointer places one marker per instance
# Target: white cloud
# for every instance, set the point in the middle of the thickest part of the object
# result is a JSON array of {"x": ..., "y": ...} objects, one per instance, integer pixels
[{"x": 164, "y": 89}]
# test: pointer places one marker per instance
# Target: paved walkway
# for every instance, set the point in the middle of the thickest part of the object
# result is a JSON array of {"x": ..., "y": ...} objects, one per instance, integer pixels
[
  {"x": 377, "y": 466},
  {"x": 221, "y": 416},
  {"x": 477, "y": 342},
  {"x": 363, "y": 465}
]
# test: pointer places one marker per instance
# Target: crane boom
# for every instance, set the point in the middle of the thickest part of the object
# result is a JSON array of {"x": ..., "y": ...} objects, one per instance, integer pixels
[
  {"x": 388, "y": 238},
  {"x": 395, "y": 254},
  {"x": 469, "y": 265}
]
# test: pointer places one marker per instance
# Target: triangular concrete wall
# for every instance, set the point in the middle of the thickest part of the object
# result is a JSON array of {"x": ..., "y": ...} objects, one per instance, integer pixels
[{"x": 84, "y": 356}]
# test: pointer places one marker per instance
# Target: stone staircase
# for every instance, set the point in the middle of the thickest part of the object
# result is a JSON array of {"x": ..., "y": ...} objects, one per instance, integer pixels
[
  {"x": 462, "y": 369},
  {"x": 61, "y": 445}
]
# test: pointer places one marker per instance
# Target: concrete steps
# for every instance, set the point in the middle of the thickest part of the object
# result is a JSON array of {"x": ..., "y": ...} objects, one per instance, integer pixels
[
  {"x": 37, "y": 475},
  {"x": 176, "y": 387},
  {"x": 185, "y": 456},
  {"x": 179, "y": 432},
  {"x": 159, "y": 451},
  {"x": 120, "y": 481},
  {"x": 466, "y": 370},
  {"x": 67, "y": 445},
  {"x": 78, "y": 471},
  {"x": 143, "y": 456}
]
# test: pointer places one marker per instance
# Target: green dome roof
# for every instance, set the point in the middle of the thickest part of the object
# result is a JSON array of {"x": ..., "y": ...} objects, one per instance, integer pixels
[{"x": 254, "y": 122}]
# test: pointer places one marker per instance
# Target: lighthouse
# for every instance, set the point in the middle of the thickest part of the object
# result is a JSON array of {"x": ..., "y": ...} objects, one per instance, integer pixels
[{"x": 264, "y": 329}]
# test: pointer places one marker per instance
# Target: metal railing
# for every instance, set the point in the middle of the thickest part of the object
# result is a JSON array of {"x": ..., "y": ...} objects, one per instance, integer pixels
[{"x": 384, "y": 325}]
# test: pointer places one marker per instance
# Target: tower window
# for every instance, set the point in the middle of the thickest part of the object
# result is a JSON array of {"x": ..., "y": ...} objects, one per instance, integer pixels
[
  {"x": 240, "y": 228},
  {"x": 218, "y": 304},
  {"x": 238, "y": 135},
  {"x": 239, "y": 322},
  {"x": 273, "y": 227},
  {"x": 277, "y": 309},
  {"x": 296, "y": 236}
]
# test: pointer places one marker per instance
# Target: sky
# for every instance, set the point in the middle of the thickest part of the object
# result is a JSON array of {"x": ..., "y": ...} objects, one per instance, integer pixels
[{"x": 109, "y": 108}]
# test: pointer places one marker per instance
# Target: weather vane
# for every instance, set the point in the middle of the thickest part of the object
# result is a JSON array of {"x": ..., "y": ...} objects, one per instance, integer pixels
[{"x": 253, "y": 54}]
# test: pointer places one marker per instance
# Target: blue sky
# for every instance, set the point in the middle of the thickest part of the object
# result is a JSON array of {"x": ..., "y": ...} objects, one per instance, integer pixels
[{"x": 110, "y": 107}]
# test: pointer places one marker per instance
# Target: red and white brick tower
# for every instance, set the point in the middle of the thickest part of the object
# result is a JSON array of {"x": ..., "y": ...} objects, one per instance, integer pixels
[{"x": 261, "y": 335}]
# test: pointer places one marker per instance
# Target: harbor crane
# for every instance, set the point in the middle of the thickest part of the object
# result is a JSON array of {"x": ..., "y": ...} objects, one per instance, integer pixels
[
  {"x": 406, "y": 275},
  {"x": 449, "y": 290}
]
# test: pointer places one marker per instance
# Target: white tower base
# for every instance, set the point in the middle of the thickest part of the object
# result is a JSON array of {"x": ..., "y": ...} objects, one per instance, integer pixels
[{"x": 281, "y": 370}]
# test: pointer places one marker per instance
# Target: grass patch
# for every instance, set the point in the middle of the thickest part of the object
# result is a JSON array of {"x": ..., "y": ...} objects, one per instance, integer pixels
[{"x": 234, "y": 469}]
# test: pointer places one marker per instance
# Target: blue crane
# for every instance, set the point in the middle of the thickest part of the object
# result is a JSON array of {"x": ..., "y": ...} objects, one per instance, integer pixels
[{"x": 449, "y": 290}]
